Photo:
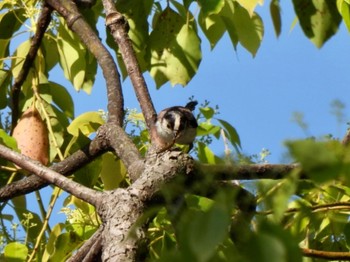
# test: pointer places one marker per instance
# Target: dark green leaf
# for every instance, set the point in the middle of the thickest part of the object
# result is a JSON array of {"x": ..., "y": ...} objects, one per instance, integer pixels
[
  {"x": 319, "y": 19},
  {"x": 275, "y": 11}
]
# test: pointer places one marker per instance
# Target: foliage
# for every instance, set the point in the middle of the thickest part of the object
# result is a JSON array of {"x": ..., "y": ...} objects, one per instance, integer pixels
[{"x": 290, "y": 213}]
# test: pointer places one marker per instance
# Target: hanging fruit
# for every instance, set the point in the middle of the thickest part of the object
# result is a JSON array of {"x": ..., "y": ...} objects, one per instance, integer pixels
[{"x": 32, "y": 137}]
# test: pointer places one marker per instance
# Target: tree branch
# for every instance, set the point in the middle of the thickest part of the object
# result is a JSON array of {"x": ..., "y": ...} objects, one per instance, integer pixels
[
  {"x": 88, "y": 36},
  {"x": 66, "y": 167},
  {"x": 119, "y": 29},
  {"x": 70, "y": 186},
  {"x": 122, "y": 209},
  {"x": 329, "y": 255},
  {"x": 247, "y": 172},
  {"x": 42, "y": 24},
  {"x": 346, "y": 139}
]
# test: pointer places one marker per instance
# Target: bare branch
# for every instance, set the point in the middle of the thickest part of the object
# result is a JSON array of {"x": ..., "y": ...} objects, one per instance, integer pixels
[
  {"x": 42, "y": 24},
  {"x": 315, "y": 208},
  {"x": 88, "y": 36},
  {"x": 70, "y": 186},
  {"x": 65, "y": 167},
  {"x": 329, "y": 255},
  {"x": 247, "y": 172},
  {"x": 119, "y": 29}
]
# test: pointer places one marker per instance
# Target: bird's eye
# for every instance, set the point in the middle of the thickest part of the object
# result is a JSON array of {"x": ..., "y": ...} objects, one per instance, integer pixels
[{"x": 168, "y": 126}]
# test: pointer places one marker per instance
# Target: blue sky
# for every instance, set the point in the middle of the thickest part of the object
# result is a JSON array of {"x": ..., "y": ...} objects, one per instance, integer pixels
[{"x": 258, "y": 96}]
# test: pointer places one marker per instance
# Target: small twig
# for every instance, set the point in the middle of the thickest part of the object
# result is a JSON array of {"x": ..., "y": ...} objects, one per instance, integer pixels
[
  {"x": 329, "y": 255},
  {"x": 346, "y": 139},
  {"x": 43, "y": 22},
  {"x": 72, "y": 187},
  {"x": 315, "y": 208}
]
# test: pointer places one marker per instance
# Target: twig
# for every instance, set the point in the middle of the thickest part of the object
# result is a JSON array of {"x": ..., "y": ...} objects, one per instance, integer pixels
[
  {"x": 43, "y": 22},
  {"x": 88, "y": 36},
  {"x": 315, "y": 208},
  {"x": 329, "y": 255}
]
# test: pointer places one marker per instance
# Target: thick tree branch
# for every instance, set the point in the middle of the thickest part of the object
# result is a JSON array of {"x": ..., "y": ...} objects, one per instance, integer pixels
[
  {"x": 346, "y": 139},
  {"x": 329, "y": 255},
  {"x": 247, "y": 172},
  {"x": 122, "y": 209},
  {"x": 66, "y": 167},
  {"x": 42, "y": 24},
  {"x": 76, "y": 23},
  {"x": 70, "y": 186},
  {"x": 119, "y": 29}
]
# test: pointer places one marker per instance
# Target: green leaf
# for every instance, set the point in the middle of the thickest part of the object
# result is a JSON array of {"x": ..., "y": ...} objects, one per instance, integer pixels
[
  {"x": 249, "y": 28},
  {"x": 113, "y": 171},
  {"x": 319, "y": 19},
  {"x": 250, "y": 5},
  {"x": 50, "y": 246},
  {"x": 64, "y": 245},
  {"x": 231, "y": 133},
  {"x": 10, "y": 22},
  {"x": 208, "y": 112},
  {"x": 211, "y": 7},
  {"x": 213, "y": 27},
  {"x": 345, "y": 12},
  {"x": 275, "y": 11},
  {"x": 50, "y": 51},
  {"x": 206, "y": 128},
  {"x": 15, "y": 252},
  {"x": 7, "y": 140},
  {"x": 201, "y": 232},
  {"x": 322, "y": 161},
  {"x": 174, "y": 49},
  {"x": 205, "y": 155},
  {"x": 88, "y": 175},
  {"x": 86, "y": 123},
  {"x": 61, "y": 98},
  {"x": 71, "y": 54},
  {"x": 20, "y": 54}
]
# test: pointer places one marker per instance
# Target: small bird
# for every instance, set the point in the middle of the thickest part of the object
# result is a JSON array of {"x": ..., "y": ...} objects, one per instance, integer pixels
[{"x": 177, "y": 124}]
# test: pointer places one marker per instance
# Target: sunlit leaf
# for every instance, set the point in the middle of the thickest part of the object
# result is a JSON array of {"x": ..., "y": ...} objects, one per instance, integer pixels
[
  {"x": 86, "y": 123},
  {"x": 231, "y": 133},
  {"x": 250, "y": 5},
  {"x": 319, "y": 19},
  {"x": 174, "y": 50},
  {"x": 344, "y": 9},
  {"x": 15, "y": 252},
  {"x": 72, "y": 56},
  {"x": 249, "y": 28},
  {"x": 113, "y": 171}
]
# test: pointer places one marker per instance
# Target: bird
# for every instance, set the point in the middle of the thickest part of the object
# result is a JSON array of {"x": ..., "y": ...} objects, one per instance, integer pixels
[{"x": 177, "y": 124}]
